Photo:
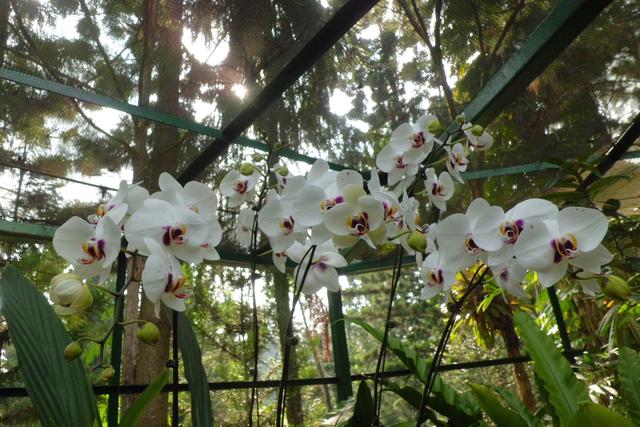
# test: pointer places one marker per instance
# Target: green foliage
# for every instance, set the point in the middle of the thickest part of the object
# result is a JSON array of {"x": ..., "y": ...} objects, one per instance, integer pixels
[
  {"x": 58, "y": 389},
  {"x": 133, "y": 415},
  {"x": 501, "y": 416},
  {"x": 201, "y": 412},
  {"x": 461, "y": 408},
  {"x": 629, "y": 375},
  {"x": 565, "y": 392},
  {"x": 363, "y": 408},
  {"x": 594, "y": 415},
  {"x": 517, "y": 406}
]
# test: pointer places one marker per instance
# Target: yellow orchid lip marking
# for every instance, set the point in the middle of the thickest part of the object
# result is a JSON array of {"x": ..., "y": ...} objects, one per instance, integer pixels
[
  {"x": 359, "y": 224},
  {"x": 470, "y": 245},
  {"x": 174, "y": 285},
  {"x": 174, "y": 233},
  {"x": 434, "y": 277},
  {"x": 101, "y": 210},
  {"x": 95, "y": 249},
  {"x": 565, "y": 247},
  {"x": 511, "y": 231},
  {"x": 418, "y": 139},
  {"x": 286, "y": 226}
]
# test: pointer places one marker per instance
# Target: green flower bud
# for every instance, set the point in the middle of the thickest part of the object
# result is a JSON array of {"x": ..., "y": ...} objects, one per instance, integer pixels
[
  {"x": 460, "y": 118},
  {"x": 434, "y": 126},
  {"x": 417, "y": 241},
  {"x": 148, "y": 333},
  {"x": 69, "y": 294},
  {"x": 617, "y": 287},
  {"x": 283, "y": 171},
  {"x": 107, "y": 373},
  {"x": 258, "y": 157},
  {"x": 247, "y": 169},
  {"x": 477, "y": 130},
  {"x": 72, "y": 351}
]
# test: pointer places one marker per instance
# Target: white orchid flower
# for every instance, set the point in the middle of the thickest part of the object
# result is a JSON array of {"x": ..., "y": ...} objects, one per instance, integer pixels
[
  {"x": 244, "y": 227},
  {"x": 179, "y": 229},
  {"x": 509, "y": 276},
  {"x": 321, "y": 194},
  {"x": 127, "y": 199},
  {"x": 360, "y": 217},
  {"x": 574, "y": 237},
  {"x": 415, "y": 141},
  {"x": 478, "y": 137},
  {"x": 463, "y": 238},
  {"x": 194, "y": 195},
  {"x": 439, "y": 188},
  {"x": 162, "y": 278},
  {"x": 515, "y": 220},
  {"x": 278, "y": 225},
  {"x": 322, "y": 273},
  {"x": 91, "y": 250},
  {"x": 239, "y": 188},
  {"x": 457, "y": 161},
  {"x": 393, "y": 209},
  {"x": 280, "y": 261},
  {"x": 438, "y": 275},
  {"x": 392, "y": 161}
]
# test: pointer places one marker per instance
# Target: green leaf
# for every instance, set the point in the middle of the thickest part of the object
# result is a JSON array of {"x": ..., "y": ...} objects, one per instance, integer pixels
[
  {"x": 443, "y": 399},
  {"x": 363, "y": 409},
  {"x": 517, "y": 406},
  {"x": 491, "y": 405},
  {"x": 201, "y": 411},
  {"x": 132, "y": 417},
  {"x": 59, "y": 390},
  {"x": 603, "y": 183},
  {"x": 594, "y": 415},
  {"x": 628, "y": 370},
  {"x": 566, "y": 393}
]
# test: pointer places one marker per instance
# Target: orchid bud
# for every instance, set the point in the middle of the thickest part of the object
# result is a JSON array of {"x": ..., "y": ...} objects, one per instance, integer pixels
[
  {"x": 460, "y": 118},
  {"x": 69, "y": 294},
  {"x": 257, "y": 157},
  {"x": 283, "y": 171},
  {"x": 477, "y": 130},
  {"x": 107, "y": 373},
  {"x": 434, "y": 126},
  {"x": 148, "y": 333},
  {"x": 417, "y": 241},
  {"x": 617, "y": 287},
  {"x": 247, "y": 169},
  {"x": 72, "y": 351}
]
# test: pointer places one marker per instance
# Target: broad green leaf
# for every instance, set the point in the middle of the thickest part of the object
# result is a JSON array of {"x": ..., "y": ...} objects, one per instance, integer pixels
[
  {"x": 491, "y": 406},
  {"x": 59, "y": 390},
  {"x": 443, "y": 399},
  {"x": 603, "y": 183},
  {"x": 566, "y": 393},
  {"x": 629, "y": 374},
  {"x": 594, "y": 415},
  {"x": 132, "y": 417},
  {"x": 517, "y": 406},
  {"x": 408, "y": 356},
  {"x": 363, "y": 408},
  {"x": 455, "y": 412},
  {"x": 201, "y": 411}
]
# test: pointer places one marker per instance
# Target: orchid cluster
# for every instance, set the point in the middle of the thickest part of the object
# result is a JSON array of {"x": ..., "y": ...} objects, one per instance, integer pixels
[
  {"x": 175, "y": 224},
  {"x": 336, "y": 210}
]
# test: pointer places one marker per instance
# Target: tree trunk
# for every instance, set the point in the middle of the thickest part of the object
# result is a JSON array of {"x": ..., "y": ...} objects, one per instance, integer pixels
[
  {"x": 512, "y": 344},
  {"x": 151, "y": 360},
  {"x": 5, "y": 8},
  {"x": 140, "y": 161},
  {"x": 294, "y": 397}
]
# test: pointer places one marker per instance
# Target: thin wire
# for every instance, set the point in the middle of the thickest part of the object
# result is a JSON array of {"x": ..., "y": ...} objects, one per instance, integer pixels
[
  {"x": 437, "y": 358},
  {"x": 288, "y": 342},
  {"x": 382, "y": 355}
]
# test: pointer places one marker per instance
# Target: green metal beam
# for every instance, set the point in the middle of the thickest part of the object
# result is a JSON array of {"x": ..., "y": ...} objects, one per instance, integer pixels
[
  {"x": 339, "y": 344},
  {"x": 145, "y": 113},
  {"x": 563, "y": 24}
]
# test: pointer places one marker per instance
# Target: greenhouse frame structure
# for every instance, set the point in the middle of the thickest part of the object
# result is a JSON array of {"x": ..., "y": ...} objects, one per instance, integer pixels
[{"x": 561, "y": 26}]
